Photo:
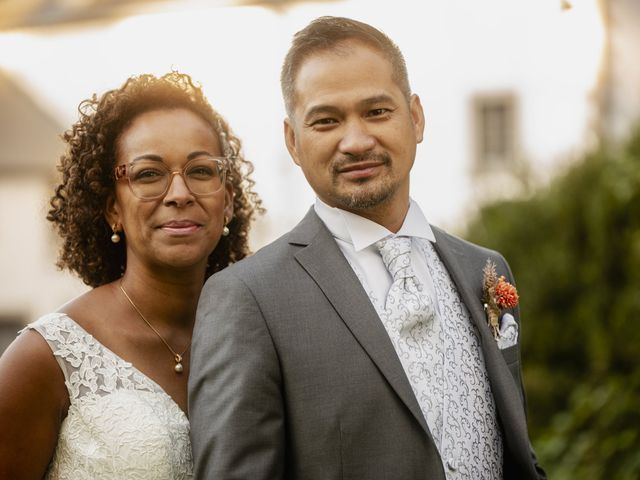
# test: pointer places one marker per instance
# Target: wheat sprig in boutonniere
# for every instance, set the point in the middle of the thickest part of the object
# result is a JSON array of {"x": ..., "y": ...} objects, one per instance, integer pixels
[{"x": 498, "y": 294}]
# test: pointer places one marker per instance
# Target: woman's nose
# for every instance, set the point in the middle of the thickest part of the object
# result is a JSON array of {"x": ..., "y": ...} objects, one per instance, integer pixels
[{"x": 178, "y": 191}]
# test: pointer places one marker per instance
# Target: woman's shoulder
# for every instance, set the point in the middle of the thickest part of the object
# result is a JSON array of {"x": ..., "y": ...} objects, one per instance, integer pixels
[
  {"x": 66, "y": 334},
  {"x": 47, "y": 323},
  {"x": 28, "y": 367},
  {"x": 31, "y": 414},
  {"x": 90, "y": 312},
  {"x": 30, "y": 346},
  {"x": 49, "y": 343},
  {"x": 84, "y": 307}
]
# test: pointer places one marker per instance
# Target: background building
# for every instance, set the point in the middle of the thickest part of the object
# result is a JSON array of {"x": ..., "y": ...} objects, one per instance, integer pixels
[{"x": 512, "y": 92}]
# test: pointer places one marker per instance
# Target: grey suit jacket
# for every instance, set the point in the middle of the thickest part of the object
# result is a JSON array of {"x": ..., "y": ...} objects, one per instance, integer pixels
[{"x": 293, "y": 375}]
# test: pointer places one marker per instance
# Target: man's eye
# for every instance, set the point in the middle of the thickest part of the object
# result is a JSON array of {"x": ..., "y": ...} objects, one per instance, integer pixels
[
  {"x": 378, "y": 112},
  {"x": 323, "y": 122}
]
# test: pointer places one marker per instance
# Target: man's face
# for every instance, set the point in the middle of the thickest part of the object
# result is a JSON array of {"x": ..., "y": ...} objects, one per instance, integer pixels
[{"x": 353, "y": 132}]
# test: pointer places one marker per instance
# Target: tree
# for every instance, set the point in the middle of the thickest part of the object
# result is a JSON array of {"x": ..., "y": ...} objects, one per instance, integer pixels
[{"x": 574, "y": 247}]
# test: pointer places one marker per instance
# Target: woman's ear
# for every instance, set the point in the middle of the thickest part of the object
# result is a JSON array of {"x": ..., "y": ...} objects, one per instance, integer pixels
[
  {"x": 228, "y": 202},
  {"x": 112, "y": 212}
]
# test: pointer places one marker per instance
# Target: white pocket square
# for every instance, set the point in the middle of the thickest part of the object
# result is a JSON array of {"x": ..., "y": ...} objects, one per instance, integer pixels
[{"x": 508, "y": 333}]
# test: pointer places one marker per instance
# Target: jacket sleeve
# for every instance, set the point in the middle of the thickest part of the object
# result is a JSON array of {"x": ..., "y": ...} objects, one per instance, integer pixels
[
  {"x": 539, "y": 470},
  {"x": 235, "y": 402}
]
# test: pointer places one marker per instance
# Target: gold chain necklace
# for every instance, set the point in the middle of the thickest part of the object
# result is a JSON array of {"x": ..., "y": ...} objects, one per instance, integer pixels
[{"x": 176, "y": 356}]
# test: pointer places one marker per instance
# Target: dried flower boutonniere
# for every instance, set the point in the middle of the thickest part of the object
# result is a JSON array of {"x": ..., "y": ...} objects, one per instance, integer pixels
[{"x": 497, "y": 295}]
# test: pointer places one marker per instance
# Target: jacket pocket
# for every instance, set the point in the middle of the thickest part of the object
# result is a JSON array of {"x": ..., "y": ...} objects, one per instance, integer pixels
[{"x": 511, "y": 354}]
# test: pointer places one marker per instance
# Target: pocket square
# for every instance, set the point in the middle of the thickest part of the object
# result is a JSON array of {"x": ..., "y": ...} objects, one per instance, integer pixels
[{"x": 508, "y": 333}]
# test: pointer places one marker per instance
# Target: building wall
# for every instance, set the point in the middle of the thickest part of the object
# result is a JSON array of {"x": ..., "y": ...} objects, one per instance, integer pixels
[
  {"x": 619, "y": 93},
  {"x": 31, "y": 284}
]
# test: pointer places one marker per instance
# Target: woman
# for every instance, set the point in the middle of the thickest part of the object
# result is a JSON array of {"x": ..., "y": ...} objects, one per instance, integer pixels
[{"x": 155, "y": 197}]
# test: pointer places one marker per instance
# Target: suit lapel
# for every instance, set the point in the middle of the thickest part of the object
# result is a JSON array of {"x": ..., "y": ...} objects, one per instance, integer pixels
[
  {"x": 324, "y": 262},
  {"x": 454, "y": 258},
  {"x": 505, "y": 391}
]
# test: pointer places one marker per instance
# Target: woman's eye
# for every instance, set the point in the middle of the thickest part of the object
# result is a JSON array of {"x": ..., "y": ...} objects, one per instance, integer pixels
[
  {"x": 201, "y": 171},
  {"x": 147, "y": 175}
]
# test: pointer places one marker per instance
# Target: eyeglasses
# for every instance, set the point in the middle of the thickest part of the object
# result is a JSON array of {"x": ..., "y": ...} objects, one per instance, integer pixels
[{"x": 150, "y": 179}]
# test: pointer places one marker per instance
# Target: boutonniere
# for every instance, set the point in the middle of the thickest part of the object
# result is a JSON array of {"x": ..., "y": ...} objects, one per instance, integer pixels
[{"x": 498, "y": 294}]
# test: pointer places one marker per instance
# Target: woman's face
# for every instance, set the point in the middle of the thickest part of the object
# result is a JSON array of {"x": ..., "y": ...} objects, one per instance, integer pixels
[{"x": 179, "y": 229}]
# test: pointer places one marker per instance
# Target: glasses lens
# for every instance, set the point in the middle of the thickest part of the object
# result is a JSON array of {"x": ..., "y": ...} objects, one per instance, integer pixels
[
  {"x": 204, "y": 175},
  {"x": 148, "y": 178}
]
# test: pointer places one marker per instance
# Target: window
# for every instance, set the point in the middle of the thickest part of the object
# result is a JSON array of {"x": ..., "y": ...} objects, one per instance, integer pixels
[{"x": 494, "y": 119}]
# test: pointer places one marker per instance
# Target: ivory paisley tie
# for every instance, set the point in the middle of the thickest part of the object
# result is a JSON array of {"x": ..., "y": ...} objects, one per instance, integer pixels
[
  {"x": 415, "y": 329},
  {"x": 406, "y": 297}
]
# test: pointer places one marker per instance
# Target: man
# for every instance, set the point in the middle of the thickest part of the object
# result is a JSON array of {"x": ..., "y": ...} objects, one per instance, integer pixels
[{"x": 356, "y": 346}]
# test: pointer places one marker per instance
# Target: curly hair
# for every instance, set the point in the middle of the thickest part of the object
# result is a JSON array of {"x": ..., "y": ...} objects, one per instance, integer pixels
[{"x": 87, "y": 168}]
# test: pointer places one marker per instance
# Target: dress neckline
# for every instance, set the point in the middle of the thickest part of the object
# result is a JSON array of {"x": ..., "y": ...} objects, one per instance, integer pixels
[{"x": 155, "y": 385}]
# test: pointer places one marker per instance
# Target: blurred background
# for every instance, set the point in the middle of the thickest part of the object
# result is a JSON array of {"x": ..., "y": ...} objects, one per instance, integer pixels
[{"x": 531, "y": 147}]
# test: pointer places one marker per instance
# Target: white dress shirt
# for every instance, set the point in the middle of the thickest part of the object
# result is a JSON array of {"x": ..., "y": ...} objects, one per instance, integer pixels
[{"x": 356, "y": 236}]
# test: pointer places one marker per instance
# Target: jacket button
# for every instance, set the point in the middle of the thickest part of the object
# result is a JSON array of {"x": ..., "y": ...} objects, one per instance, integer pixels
[{"x": 452, "y": 464}]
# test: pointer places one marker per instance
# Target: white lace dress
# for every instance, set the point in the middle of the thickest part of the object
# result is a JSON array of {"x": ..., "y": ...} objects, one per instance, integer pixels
[{"x": 120, "y": 423}]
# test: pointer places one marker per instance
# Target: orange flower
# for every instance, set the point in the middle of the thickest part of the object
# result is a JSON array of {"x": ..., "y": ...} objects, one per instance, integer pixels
[{"x": 506, "y": 294}]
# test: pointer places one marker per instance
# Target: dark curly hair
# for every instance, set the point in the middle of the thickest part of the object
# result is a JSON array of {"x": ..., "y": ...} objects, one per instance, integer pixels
[{"x": 87, "y": 167}]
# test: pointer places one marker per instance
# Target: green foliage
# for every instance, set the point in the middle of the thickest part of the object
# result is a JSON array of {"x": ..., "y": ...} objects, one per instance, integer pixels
[
  {"x": 598, "y": 436},
  {"x": 574, "y": 248}
]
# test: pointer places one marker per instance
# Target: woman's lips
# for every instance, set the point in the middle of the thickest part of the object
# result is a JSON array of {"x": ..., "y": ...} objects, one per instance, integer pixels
[{"x": 180, "y": 227}]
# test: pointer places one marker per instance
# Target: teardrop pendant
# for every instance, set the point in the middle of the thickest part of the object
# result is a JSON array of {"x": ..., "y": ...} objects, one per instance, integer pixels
[
  {"x": 177, "y": 357},
  {"x": 178, "y": 368}
]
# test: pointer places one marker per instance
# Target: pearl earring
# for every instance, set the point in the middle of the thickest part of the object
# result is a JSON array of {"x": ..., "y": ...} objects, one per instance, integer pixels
[
  {"x": 225, "y": 229},
  {"x": 115, "y": 238}
]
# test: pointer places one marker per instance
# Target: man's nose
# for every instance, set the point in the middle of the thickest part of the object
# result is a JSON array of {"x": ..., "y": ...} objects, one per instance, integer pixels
[{"x": 356, "y": 139}]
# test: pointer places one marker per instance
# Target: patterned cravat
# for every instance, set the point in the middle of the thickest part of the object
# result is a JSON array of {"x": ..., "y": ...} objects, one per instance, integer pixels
[
  {"x": 415, "y": 329},
  {"x": 406, "y": 295}
]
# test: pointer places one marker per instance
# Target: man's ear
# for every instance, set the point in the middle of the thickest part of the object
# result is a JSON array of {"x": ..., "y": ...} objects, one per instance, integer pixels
[
  {"x": 417, "y": 116},
  {"x": 290, "y": 140}
]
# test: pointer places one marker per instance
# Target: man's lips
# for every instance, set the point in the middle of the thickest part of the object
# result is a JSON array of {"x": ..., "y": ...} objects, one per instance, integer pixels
[
  {"x": 358, "y": 166},
  {"x": 360, "y": 170}
]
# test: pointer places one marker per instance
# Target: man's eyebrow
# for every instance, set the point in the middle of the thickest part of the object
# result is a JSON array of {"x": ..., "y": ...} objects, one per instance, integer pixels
[
  {"x": 331, "y": 110},
  {"x": 382, "y": 98},
  {"x": 320, "y": 109}
]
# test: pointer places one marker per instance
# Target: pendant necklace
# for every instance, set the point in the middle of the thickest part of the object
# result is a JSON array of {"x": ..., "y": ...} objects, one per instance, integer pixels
[{"x": 176, "y": 356}]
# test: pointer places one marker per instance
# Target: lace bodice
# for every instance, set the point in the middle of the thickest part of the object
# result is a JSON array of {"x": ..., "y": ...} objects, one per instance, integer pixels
[{"x": 120, "y": 423}]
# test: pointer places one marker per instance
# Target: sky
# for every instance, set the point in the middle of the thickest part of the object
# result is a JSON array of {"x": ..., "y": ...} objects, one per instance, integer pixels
[{"x": 452, "y": 48}]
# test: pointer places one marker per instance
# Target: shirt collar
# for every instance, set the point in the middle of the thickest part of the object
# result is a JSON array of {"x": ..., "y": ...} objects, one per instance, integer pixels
[{"x": 362, "y": 232}]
